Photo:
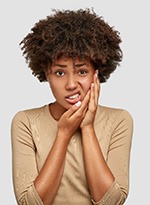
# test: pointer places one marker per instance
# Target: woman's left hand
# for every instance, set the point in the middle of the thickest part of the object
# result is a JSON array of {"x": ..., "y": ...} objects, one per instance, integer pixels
[{"x": 93, "y": 103}]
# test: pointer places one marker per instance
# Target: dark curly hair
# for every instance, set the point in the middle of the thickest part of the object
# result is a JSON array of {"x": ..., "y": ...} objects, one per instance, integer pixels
[{"x": 81, "y": 34}]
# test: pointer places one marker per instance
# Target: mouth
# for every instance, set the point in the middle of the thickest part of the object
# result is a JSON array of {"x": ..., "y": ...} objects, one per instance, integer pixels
[{"x": 74, "y": 98}]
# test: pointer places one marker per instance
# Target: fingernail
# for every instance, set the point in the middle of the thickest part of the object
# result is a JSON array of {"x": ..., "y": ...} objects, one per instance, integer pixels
[
  {"x": 96, "y": 73},
  {"x": 92, "y": 85},
  {"x": 78, "y": 104}
]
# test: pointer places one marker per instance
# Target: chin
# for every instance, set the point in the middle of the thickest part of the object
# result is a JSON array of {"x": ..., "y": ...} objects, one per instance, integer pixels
[{"x": 67, "y": 107}]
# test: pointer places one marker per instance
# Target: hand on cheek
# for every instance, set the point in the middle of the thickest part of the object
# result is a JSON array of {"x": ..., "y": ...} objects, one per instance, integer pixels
[
  {"x": 96, "y": 87},
  {"x": 92, "y": 104},
  {"x": 94, "y": 92},
  {"x": 82, "y": 113}
]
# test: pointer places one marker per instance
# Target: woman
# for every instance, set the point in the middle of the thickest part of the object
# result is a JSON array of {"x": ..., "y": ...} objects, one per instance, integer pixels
[{"x": 72, "y": 151}]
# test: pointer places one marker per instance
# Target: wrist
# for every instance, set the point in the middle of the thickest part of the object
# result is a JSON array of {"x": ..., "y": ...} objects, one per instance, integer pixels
[
  {"x": 63, "y": 136},
  {"x": 88, "y": 128}
]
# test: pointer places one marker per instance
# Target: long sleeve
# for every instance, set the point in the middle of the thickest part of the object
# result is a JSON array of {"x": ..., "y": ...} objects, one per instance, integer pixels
[
  {"x": 23, "y": 155},
  {"x": 118, "y": 159},
  {"x": 33, "y": 134}
]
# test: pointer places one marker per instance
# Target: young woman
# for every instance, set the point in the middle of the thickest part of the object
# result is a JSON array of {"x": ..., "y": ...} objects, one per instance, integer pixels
[{"x": 72, "y": 151}]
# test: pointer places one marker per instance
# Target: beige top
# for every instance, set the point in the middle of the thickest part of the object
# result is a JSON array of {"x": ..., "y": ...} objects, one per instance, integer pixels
[{"x": 33, "y": 134}]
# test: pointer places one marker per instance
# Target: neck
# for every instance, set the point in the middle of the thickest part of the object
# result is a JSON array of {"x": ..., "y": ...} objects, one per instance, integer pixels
[{"x": 56, "y": 110}]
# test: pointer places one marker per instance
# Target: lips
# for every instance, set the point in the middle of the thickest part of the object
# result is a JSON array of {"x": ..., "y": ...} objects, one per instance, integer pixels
[{"x": 73, "y": 98}]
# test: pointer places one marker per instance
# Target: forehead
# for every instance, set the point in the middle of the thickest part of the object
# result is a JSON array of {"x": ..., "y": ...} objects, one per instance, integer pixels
[{"x": 70, "y": 60}]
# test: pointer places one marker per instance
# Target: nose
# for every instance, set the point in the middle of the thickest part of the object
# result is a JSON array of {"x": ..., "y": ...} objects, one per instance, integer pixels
[{"x": 71, "y": 83}]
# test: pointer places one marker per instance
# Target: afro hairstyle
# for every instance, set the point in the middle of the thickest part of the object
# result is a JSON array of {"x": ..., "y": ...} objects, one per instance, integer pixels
[{"x": 75, "y": 34}]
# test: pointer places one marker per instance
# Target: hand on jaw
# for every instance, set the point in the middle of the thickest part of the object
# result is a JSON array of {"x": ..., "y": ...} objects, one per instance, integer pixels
[
  {"x": 81, "y": 115},
  {"x": 89, "y": 117}
]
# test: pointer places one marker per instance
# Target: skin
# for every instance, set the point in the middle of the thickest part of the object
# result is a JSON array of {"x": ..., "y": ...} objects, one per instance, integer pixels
[{"x": 73, "y": 81}]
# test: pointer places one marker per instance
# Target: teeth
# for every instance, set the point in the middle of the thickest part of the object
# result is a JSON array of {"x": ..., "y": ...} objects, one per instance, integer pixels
[{"x": 74, "y": 96}]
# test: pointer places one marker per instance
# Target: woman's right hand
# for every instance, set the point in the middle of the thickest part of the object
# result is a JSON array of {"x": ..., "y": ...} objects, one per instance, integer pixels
[{"x": 72, "y": 118}]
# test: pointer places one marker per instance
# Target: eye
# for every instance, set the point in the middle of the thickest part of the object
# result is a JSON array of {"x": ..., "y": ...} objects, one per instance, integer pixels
[
  {"x": 59, "y": 73},
  {"x": 82, "y": 72}
]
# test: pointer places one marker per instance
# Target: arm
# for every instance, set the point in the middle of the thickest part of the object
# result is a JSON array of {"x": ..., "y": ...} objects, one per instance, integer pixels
[
  {"x": 23, "y": 161},
  {"x": 116, "y": 168},
  {"x": 99, "y": 176},
  {"x": 98, "y": 173},
  {"x": 49, "y": 178},
  {"x": 32, "y": 187},
  {"x": 103, "y": 176}
]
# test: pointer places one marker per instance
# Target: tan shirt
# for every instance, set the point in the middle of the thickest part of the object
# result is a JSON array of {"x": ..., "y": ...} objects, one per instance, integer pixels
[{"x": 33, "y": 134}]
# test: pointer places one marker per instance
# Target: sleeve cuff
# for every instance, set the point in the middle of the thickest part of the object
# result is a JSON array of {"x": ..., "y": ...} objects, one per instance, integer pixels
[
  {"x": 112, "y": 197},
  {"x": 34, "y": 197}
]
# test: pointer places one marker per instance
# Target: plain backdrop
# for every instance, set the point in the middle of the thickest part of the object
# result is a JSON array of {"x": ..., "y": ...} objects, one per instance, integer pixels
[{"x": 127, "y": 88}]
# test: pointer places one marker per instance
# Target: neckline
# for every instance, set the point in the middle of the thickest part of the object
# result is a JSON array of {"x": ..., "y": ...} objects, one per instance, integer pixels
[{"x": 49, "y": 114}]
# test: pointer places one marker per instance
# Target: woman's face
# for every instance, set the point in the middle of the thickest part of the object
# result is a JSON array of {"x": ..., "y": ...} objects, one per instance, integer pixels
[{"x": 70, "y": 80}]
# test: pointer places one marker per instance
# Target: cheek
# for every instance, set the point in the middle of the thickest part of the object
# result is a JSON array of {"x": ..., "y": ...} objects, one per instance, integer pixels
[
  {"x": 86, "y": 83},
  {"x": 54, "y": 87}
]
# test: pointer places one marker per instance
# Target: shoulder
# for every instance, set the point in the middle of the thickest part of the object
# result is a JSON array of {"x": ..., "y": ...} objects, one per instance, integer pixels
[
  {"x": 116, "y": 115},
  {"x": 118, "y": 122},
  {"x": 28, "y": 114}
]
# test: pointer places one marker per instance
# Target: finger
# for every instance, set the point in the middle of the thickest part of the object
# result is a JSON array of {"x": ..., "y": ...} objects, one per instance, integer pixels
[
  {"x": 83, "y": 107},
  {"x": 96, "y": 86},
  {"x": 72, "y": 110},
  {"x": 92, "y": 98},
  {"x": 85, "y": 101}
]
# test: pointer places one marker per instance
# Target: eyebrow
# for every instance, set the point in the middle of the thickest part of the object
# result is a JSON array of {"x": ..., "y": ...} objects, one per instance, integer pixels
[
  {"x": 80, "y": 64},
  {"x": 60, "y": 65},
  {"x": 64, "y": 66}
]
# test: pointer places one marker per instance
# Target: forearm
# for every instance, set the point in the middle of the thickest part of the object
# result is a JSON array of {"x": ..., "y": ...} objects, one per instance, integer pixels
[
  {"x": 49, "y": 178},
  {"x": 98, "y": 173}
]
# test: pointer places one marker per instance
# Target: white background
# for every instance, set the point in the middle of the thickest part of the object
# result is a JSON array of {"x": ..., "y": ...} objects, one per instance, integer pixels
[{"x": 127, "y": 88}]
